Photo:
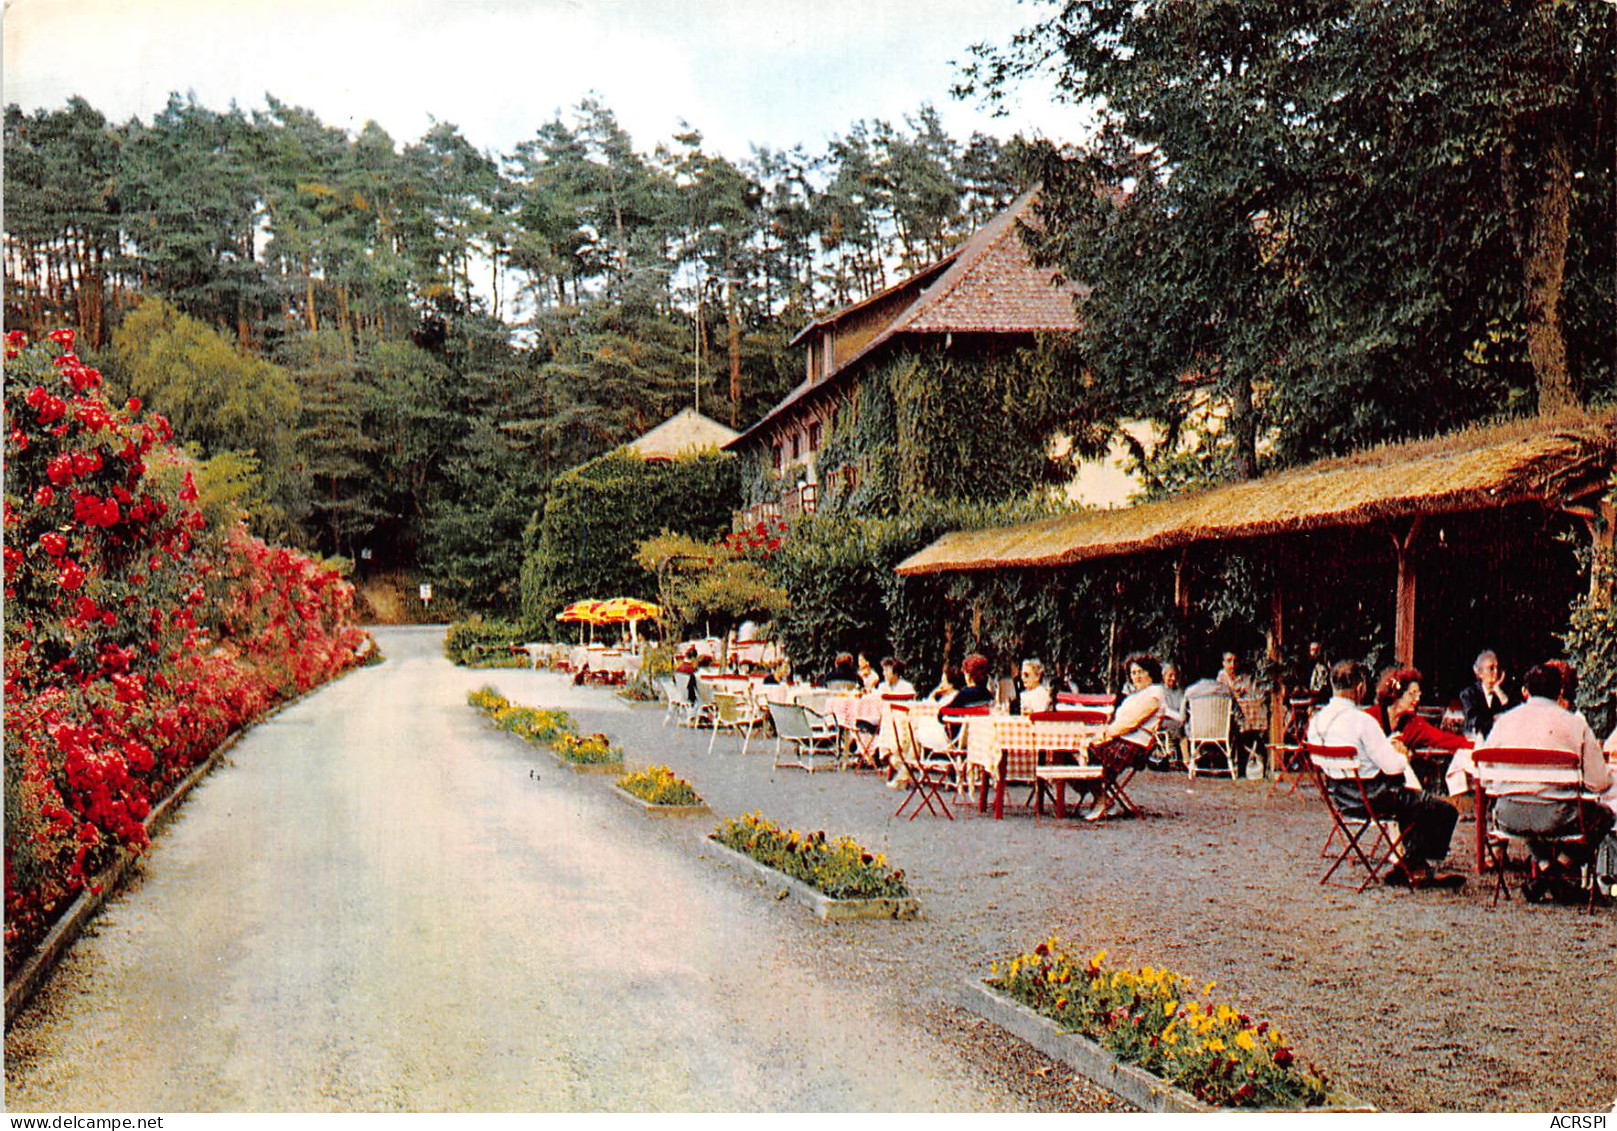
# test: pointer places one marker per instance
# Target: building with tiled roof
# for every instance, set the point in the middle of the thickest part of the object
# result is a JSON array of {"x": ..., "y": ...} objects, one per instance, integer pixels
[{"x": 986, "y": 295}]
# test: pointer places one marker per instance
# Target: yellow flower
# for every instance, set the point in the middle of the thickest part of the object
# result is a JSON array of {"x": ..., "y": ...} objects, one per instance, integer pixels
[
  {"x": 1215, "y": 1045},
  {"x": 1168, "y": 1007},
  {"x": 1207, "y": 990},
  {"x": 1244, "y": 1041}
]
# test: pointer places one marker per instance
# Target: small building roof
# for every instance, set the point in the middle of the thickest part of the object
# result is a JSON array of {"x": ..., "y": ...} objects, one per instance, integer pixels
[
  {"x": 1550, "y": 461},
  {"x": 989, "y": 285},
  {"x": 686, "y": 431}
]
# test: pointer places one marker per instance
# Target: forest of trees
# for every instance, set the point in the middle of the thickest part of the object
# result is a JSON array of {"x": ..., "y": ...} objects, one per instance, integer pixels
[
  {"x": 395, "y": 348},
  {"x": 1331, "y": 223}
]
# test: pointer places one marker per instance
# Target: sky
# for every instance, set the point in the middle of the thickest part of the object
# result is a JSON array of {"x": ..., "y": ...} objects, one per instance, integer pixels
[{"x": 744, "y": 72}]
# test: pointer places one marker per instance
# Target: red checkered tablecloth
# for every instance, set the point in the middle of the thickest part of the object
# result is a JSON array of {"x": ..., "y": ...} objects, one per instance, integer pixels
[{"x": 1021, "y": 741}]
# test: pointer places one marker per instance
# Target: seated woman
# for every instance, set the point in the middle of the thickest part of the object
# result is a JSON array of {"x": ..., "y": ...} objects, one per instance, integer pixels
[
  {"x": 1127, "y": 740},
  {"x": 868, "y": 676},
  {"x": 949, "y": 685},
  {"x": 1035, "y": 693},
  {"x": 893, "y": 681},
  {"x": 781, "y": 673},
  {"x": 1397, "y": 697},
  {"x": 975, "y": 693}
]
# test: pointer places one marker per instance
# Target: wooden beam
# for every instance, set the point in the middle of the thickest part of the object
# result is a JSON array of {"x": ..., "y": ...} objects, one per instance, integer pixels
[
  {"x": 1404, "y": 599},
  {"x": 1275, "y": 650}
]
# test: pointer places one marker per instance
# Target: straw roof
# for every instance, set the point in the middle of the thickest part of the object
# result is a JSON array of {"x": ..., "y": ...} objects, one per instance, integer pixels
[
  {"x": 1535, "y": 460},
  {"x": 685, "y": 431}
]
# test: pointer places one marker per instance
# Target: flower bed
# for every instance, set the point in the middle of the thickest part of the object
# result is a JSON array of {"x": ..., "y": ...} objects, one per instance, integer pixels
[
  {"x": 839, "y": 868},
  {"x": 143, "y": 624},
  {"x": 1156, "y": 1020},
  {"x": 657, "y": 785},
  {"x": 590, "y": 750},
  {"x": 532, "y": 723}
]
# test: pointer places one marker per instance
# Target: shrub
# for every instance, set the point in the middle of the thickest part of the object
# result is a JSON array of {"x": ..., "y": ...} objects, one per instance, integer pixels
[
  {"x": 657, "y": 785},
  {"x": 582, "y": 542},
  {"x": 476, "y": 642},
  {"x": 142, "y": 625},
  {"x": 1153, "y": 1018},
  {"x": 840, "y": 868}
]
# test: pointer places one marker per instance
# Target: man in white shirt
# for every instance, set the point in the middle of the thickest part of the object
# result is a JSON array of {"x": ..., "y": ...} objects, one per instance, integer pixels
[
  {"x": 1425, "y": 820},
  {"x": 1541, "y": 814}
]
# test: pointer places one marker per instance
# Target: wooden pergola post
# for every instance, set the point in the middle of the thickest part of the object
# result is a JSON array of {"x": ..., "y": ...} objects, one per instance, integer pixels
[
  {"x": 1274, "y": 650},
  {"x": 1403, "y": 634}
]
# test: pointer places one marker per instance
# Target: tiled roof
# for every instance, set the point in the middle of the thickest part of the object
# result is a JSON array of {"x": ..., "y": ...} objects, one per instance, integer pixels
[
  {"x": 990, "y": 287},
  {"x": 993, "y": 286}
]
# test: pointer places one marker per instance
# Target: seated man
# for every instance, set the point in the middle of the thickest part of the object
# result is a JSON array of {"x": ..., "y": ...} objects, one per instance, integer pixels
[
  {"x": 1486, "y": 698},
  {"x": 1171, "y": 737},
  {"x": 1426, "y": 821},
  {"x": 1541, "y": 813}
]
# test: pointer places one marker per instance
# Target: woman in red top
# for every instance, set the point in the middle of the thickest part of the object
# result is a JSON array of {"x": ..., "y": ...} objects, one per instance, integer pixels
[{"x": 1397, "y": 696}]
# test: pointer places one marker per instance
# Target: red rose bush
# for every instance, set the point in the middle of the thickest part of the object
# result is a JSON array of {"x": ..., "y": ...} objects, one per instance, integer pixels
[{"x": 141, "y": 627}]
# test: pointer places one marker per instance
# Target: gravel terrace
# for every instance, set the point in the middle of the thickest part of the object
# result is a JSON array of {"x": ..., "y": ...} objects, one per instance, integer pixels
[
  {"x": 451, "y": 923},
  {"x": 1414, "y": 1000}
]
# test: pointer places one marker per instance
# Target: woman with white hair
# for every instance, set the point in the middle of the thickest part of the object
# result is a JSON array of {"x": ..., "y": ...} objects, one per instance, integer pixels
[{"x": 1035, "y": 694}]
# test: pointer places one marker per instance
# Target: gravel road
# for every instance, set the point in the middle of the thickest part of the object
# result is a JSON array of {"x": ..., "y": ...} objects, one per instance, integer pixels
[{"x": 378, "y": 904}]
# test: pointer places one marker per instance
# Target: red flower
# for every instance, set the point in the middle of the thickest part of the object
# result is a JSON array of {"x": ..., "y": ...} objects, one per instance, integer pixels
[
  {"x": 72, "y": 575},
  {"x": 20, "y": 439},
  {"x": 62, "y": 337},
  {"x": 60, "y": 469},
  {"x": 45, "y": 496},
  {"x": 188, "y": 490},
  {"x": 132, "y": 405},
  {"x": 1283, "y": 1057},
  {"x": 53, "y": 544}
]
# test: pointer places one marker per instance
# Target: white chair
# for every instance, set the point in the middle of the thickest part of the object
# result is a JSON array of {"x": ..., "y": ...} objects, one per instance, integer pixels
[
  {"x": 809, "y": 732},
  {"x": 734, "y": 712},
  {"x": 1209, "y": 724}
]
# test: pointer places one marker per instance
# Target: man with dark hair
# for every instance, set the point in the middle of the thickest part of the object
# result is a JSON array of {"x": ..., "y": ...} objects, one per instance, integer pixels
[
  {"x": 1426, "y": 821},
  {"x": 1486, "y": 698},
  {"x": 1542, "y": 813}
]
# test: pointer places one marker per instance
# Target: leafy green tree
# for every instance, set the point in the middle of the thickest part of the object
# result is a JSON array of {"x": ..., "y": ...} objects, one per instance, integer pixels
[{"x": 1345, "y": 221}]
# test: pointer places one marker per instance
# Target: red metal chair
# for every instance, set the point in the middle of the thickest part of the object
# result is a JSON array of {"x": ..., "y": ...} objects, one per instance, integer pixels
[
  {"x": 1498, "y": 769},
  {"x": 1354, "y": 820},
  {"x": 926, "y": 776}
]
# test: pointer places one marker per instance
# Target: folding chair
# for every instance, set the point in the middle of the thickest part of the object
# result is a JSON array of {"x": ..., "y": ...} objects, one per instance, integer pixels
[
  {"x": 1208, "y": 724},
  {"x": 1499, "y": 769},
  {"x": 1079, "y": 699},
  {"x": 926, "y": 776},
  {"x": 959, "y": 718},
  {"x": 809, "y": 733},
  {"x": 1287, "y": 756},
  {"x": 1353, "y": 819}
]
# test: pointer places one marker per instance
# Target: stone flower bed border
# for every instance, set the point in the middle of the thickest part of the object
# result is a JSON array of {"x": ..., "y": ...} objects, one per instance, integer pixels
[
  {"x": 837, "y": 855},
  {"x": 1152, "y": 1014},
  {"x": 824, "y": 906},
  {"x": 662, "y": 775}
]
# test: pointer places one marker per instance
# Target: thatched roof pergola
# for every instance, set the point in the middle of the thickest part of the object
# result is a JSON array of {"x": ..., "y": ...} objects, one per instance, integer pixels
[
  {"x": 1561, "y": 464},
  {"x": 1555, "y": 463}
]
